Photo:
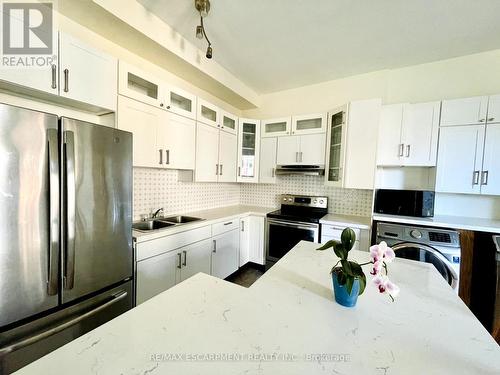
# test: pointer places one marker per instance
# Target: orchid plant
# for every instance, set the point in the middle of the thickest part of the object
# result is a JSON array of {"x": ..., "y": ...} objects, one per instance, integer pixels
[{"x": 349, "y": 271}]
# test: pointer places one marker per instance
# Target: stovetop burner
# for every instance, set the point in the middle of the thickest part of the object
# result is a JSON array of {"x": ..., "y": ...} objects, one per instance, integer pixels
[{"x": 301, "y": 208}]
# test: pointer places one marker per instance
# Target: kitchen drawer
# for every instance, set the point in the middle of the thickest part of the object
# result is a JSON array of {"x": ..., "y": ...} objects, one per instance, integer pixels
[
  {"x": 336, "y": 230},
  {"x": 325, "y": 239},
  {"x": 162, "y": 245},
  {"x": 225, "y": 226}
]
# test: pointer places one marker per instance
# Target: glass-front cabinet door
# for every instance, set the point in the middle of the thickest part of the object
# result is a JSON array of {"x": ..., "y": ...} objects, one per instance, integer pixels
[
  {"x": 248, "y": 150},
  {"x": 309, "y": 124},
  {"x": 229, "y": 122},
  {"x": 208, "y": 113},
  {"x": 181, "y": 102},
  {"x": 336, "y": 138},
  {"x": 277, "y": 126}
]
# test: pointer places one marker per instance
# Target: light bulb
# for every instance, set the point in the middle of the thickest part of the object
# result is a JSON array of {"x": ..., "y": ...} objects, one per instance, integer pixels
[
  {"x": 209, "y": 52},
  {"x": 199, "y": 32}
]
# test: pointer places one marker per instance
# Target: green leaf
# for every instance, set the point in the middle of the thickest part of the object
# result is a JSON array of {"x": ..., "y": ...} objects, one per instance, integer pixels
[
  {"x": 356, "y": 269},
  {"x": 349, "y": 283},
  {"x": 340, "y": 251},
  {"x": 348, "y": 238},
  {"x": 327, "y": 245},
  {"x": 362, "y": 283},
  {"x": 346, "y": 267}
]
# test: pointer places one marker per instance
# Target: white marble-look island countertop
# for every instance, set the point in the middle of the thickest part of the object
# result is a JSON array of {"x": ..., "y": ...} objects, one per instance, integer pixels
[{"x": 288, "y": 323}]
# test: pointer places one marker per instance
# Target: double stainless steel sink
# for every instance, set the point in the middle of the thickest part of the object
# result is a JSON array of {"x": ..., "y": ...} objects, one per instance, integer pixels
[{"x": 163, "y": 222}]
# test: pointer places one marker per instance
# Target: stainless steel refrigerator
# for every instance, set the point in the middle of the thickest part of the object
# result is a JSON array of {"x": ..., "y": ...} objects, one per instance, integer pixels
[{"x": 66, "y": 258}]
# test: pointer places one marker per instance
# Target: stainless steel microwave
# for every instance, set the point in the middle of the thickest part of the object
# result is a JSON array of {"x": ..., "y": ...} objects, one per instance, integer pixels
[{"x": 418, "y": 203}]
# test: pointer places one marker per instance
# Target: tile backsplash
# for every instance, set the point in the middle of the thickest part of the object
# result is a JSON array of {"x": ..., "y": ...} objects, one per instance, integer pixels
[
  {"x": 340, "y": 201},
  {"x": 155, "y": 188}
]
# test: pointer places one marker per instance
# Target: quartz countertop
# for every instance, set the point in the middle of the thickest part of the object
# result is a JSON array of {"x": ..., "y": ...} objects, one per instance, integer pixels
[
  {"x": 445, "y": 221},
  {"x": 361, "y": 222},
  {"x": 209, "y": 217},
  {"x": 288, "y": 323}
]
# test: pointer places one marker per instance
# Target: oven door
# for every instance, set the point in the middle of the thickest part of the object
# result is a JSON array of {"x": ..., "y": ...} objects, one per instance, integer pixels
[{"x": 283, "y": 235}]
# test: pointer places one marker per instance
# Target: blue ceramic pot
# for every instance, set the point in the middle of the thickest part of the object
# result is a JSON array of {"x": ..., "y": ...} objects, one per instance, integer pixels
[{"x": 340, "y": 292}]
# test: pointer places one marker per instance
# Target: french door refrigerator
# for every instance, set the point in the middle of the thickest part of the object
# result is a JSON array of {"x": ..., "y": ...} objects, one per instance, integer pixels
[{"x": 66, "y": 258}]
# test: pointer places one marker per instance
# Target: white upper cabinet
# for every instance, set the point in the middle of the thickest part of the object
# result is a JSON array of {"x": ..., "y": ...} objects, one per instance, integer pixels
[
  {"x": 87, "y": 75},
  {"x": 390, "y": 148},
  {"x": 176, "y": 141},
  {"x": 267, "y": 166},
  {"x": 408, "y": 134},
  {"x": 465, "y": 111},
  {"x": 493, "y": 109},
  {"x": 207, "y": 153},
  {"x": 276, "y": 127},
  {"x": 490, "y": 174},
  {"x": 460, "y": 159},
  {"x": 312, "y": 149},
  {"x": 301, "y": 150},
  {"x": 180, "y": 102},
  {"x": 288, "y": 150},
  {"x": 309, "y": 124},
  {"x": 248, "y": 150},
  {"x": 161, "y": 139},
  {"x": 229, "y": 122},
  {"x": 419, "y": 134},
  {"x": 208, "y": 113},
  {"x": 139, "y": 85},
  {"x": 350, "y": 129},
  {"x": 336, "y": 145},
  {"x": 228, "y": 146},
  {"x": 142, "y": 121}
]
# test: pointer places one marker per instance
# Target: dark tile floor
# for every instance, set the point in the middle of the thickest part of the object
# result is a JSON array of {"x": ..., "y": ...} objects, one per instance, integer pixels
[{"x": 246, "y": 276}]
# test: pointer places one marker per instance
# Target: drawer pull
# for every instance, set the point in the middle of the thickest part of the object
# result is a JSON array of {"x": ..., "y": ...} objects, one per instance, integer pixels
[{"x": 229, "y": 223}]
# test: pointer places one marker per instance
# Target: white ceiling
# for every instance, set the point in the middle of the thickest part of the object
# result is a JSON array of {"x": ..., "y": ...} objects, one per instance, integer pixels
[{"x": 272, "y": 45}]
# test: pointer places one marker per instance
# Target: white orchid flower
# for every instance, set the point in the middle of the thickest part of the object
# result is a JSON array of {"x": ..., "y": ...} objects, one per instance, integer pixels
[{"x": 384, "y": 285}]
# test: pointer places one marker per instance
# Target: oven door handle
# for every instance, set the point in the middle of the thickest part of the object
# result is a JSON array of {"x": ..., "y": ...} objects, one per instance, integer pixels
[{"x": 300, "y": 225}]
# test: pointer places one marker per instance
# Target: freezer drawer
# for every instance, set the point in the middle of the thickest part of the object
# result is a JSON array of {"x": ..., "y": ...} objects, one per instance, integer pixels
[{"x": 26, "y": 343}]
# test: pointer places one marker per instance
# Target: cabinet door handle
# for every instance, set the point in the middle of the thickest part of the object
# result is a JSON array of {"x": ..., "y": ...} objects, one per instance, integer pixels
[
  {"x": 54, "y": 76},
  {"x": 475, "y": 178},
  {"x": 242, "y": 226},
  {"x": 167, "y": 156},
  {"x": 482, "y": 120},
  {"x": 66, "y": 80},
  {"x": 297, "y": 156},
  {"x": 301, "y": 157},
  {"x": 273, "y": 172},
  {"x": 239, "y": 171},
  {"x": 161, "y": 156},
  {"x": 401, "y": 149},
  {"x": 484, "y": 178},
  {"x": 185, "y": 258},
  {"x": 491, "y": 119},
  {"x": 179, "y": 264},
  {"x": 216, "y": 169},
  {"x": 408, "y": 151},
  {"x": 220, "y": 169},
  {"x": 215, "y": 246}
]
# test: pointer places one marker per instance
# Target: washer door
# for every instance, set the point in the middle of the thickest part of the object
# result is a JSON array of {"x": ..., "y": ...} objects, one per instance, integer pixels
[{"x": 424, "y": 253}]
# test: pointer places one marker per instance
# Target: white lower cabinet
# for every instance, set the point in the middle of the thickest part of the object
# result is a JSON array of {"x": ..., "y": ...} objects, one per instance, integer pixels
[
  {"x": 195, "y": 258},
  {"x": 334, "y": 231},
  {"x": 252, "y": 240},
  {"x": 155, "y": 275},
  {"x": 225, "y": 254}
]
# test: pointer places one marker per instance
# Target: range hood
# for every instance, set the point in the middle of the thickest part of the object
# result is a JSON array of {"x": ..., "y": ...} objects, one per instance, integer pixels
[{"x": 309, "y": 170}]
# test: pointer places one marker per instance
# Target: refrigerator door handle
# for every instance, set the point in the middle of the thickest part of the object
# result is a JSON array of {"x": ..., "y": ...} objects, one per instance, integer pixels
[
  {"x": 69, "y": 274},
  {"x": 53, "y": 153},
  {"x": 61, "y": 327}
]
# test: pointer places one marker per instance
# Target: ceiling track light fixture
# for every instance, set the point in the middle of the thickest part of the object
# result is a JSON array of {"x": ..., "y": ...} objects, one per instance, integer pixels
[{"x": 203, "y": 7}]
